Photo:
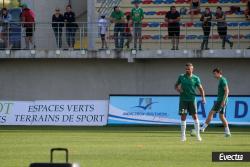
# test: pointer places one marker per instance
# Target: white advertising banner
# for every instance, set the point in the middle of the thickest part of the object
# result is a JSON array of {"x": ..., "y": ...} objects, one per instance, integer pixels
[{"x": 56, "y": 113}]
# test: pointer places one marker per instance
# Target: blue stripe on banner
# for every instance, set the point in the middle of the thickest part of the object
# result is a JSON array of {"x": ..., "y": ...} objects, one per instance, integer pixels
[{"x": 132, "y": 119}]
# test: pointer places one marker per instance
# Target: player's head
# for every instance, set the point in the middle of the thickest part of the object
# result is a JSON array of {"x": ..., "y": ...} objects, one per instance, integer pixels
[
  {"x": 217, "y": 73},
  {"x": 207, "y": 10},
  {"x": 68, "y": 8},
  {"x": 173, "y": 9},
  {"x": 116, "y": 8},
  {"x": 189, "y": 68},
  {"x": 136, "y": 3},
  {"x": 218, "y": 9}
]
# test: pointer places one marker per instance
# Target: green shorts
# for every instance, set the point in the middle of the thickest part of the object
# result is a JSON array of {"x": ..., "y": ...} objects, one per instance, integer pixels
[
  {"x": 217, "y": 107},
  {"x": 187, "y": 107}
]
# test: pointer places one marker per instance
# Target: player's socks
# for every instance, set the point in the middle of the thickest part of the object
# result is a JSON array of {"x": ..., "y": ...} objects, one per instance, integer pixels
[
  {"x": 197, "y": 129},
  {"x": 204, "y": 126},
  {"x": 227, "y": 132},
  {"x": 183, "y": 130}
]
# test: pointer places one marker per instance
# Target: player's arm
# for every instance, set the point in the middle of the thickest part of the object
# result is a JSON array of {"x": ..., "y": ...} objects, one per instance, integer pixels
[
  {"x": 166, "y": 19},
  {"x": 226, "y": 89},
  {"x": 176, "y": 20},
  {"x": 177, "y": 85},
  {"x": 202, "y": 93}
]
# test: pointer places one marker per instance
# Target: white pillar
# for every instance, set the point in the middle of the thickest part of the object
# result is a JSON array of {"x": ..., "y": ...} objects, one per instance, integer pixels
[{"x": 92, "y": 26}]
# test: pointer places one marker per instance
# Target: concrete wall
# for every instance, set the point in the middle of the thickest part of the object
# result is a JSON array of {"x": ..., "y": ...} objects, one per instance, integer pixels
[{"x": 44, "y": 79}]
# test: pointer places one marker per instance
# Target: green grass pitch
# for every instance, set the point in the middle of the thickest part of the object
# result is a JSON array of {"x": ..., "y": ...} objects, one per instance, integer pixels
[{"x": 119, "y": 146}]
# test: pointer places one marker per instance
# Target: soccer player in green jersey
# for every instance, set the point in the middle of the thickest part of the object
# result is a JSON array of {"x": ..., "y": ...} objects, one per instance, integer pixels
[
  {"x": 187, "y": 85},
  {"x": 221, "y": 102}
]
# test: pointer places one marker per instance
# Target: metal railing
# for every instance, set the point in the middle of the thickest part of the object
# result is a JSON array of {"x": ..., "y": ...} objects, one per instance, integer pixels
[{"x": 154, "y": 36}]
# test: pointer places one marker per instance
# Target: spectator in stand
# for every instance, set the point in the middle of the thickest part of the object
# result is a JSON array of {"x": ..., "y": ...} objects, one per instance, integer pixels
[
  {"x": 220, "y": 17},
  {"x": 247, "y": 11},
  {"x": 28, "y": 19},
  {"x": 71, "y": 26},
  {"x": 117, "y": 17},
  {"x": 206, "y": 27},
  {"x": 6, "y": 19},
  {"x": 194, "y": 8},
  {"x": 128, "y": 33},
  {"x": 173, "y": 19},
  {"x": 103, "y": 28},
  {"x": 137, "y": 14},
  {"x": 57, "y": 26}
]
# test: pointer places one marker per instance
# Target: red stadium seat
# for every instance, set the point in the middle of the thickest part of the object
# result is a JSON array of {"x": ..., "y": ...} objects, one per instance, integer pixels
[
  {"x": 212, "y": 1},
  {"x": 215, "y": 37},
  {"x": 161, "y": 13},
  {"x": 188, "y": 24},
  {"x": 127, "y": 13},
  {"x": 240, "y": 36},
  {"x": 147, "y": 2},
  {"x": 146, "y": 37},
  {"x": 164, "y": 24},
  {"x": 144, "y": 24}
]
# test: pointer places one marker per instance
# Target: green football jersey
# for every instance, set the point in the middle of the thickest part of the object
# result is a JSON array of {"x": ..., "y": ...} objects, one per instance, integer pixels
[
  {"x": 137, "y": 15},
  {"x": 117, "y": 15},
  {"x": 188, "y": 86},
  {"x": 221, "y": 88}
]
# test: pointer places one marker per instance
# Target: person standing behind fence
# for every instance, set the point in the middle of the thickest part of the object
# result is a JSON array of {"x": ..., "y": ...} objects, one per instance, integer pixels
[
  {"x": 222, "y": 27},
  {"x": 247, "y": 11},
  {"x": 28, "y": 19},
  {"x": 6, "y": 18},
  {"x": 103, "y": 28},
  {"x": 57, "y": 25},
  {"x": 194, "y": 8},
  {"x": 117, "y": 17},
  {"x": 173, "y": 19},
  {"x": 71, "y": 26},
  {"x": 137, "y": 14},
  {"x": 128, "y": 33},
  {"x": 206, "y": 27}
]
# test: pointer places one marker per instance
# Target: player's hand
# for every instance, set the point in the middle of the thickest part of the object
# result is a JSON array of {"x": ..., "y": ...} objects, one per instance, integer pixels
[
  {"x": 203, "y": 100},
  {"x": 223, "y": 104},
  {"x": 178, "y": 88}
]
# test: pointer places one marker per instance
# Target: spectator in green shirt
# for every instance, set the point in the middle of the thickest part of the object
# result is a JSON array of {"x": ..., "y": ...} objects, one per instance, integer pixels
[
  {"x": 117, "y": 17},
  {"x": 137, "y": 14}
]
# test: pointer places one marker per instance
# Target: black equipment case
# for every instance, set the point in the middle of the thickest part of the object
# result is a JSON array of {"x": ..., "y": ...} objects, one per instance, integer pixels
[{"x": 52, "y": 164}]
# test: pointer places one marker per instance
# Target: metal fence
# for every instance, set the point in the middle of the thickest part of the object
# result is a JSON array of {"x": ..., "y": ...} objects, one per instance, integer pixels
[{"x": 154, "y": 35}]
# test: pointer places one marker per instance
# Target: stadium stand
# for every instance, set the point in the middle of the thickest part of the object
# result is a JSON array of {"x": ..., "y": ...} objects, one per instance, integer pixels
[{"x": 155, "y": 30}]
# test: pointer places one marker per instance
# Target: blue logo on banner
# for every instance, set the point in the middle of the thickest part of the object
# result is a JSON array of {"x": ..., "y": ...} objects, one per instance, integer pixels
[{"x": 145, "y": 103}]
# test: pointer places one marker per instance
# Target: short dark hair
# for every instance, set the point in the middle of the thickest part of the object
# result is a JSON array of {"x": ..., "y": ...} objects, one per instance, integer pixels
[
  {"x": 217, "y": 70},
  {"x": 171, "y": 7},
  {"x": 69, "y": 6},
  {"x": 116, "y": 7},
  {"x": 219, "y": 7},
  {"x": 189, "y": 64},
  {"x": 103, "y": 16}
]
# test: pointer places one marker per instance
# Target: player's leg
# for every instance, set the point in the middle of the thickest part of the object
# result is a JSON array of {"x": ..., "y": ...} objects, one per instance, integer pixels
[
  {"x": 225, "y": 123},
  {"x": 192, "y": 109},
  {"x": 208, "y": 120},
  {"x": 183, "y": 114},
  {"x": 183, "y": 127}
]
